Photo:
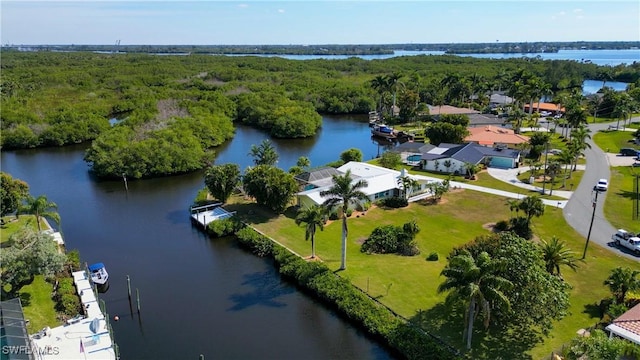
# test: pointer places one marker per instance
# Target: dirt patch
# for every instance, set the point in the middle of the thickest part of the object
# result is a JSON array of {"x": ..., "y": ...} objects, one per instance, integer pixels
[
  {"x": 489, "y": 226},
  {"x": 237, "y": 91},
  {"x": 168, "y": 108}
]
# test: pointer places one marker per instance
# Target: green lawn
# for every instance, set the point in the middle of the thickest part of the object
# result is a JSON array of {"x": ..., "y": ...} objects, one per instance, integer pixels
[
  {"x": 408, "y": 284},
  {"x": 613, "y": 141},
  {"x": 569, "y": 183},
  {"x": 38, "y": 306},
  {"x": 618, "y": 207},
  {"x": 11, "y": 225}
]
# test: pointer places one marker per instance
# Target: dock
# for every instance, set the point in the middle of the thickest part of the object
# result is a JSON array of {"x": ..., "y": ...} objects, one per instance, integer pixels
[
  {"x": 205, "y": 214},
  {"x": 87, "y": 336}
]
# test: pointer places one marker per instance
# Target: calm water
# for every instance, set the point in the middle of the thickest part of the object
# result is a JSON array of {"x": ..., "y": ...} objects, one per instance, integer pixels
[
  {"x": 198, "y": 296},
  {"x": 598, "y": 57}
]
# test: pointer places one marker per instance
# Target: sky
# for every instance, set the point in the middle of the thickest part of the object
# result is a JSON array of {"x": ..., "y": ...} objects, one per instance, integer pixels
[{"x": 213, "y": 22}]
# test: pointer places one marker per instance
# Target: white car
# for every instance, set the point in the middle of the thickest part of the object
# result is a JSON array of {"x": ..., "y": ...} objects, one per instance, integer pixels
[{"x": 602, "y": 185}]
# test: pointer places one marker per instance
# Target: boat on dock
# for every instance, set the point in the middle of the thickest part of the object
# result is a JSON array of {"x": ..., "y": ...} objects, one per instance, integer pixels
[
  {"x": 384, "y": 131},
  {"x": 98, "y": 273}
]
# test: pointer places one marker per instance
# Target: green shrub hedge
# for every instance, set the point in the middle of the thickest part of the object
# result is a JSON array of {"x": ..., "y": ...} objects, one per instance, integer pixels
[
  {"x": 224, "y": 227},
  {"x": 67, "y": 300},
  {"x": 407, "y": 340}
]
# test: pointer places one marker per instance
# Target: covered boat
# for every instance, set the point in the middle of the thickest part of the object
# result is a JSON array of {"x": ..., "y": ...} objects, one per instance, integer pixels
[{"x": 98, "y": 273}]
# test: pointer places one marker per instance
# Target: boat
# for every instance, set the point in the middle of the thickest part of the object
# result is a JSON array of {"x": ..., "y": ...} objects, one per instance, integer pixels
[
  {"x": 98, "y": 273},
  {"x": 384, "y": 131}
]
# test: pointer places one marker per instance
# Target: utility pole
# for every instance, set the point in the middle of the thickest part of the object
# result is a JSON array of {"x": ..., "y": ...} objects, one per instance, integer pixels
[
  {"x": 544, "y": 171},
  {"x": 593, "y": 215}
]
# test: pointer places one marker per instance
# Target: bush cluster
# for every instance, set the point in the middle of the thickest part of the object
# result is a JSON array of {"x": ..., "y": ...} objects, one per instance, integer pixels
[
  {"x": 337, "y": 292},
  {"x": 433, "y": 256},
  {"x": 390, "y": 239},
  {"x": 66, "y": 298},
  {"x": 394, "y": 202},
  {"x": 224, "y": 227}
]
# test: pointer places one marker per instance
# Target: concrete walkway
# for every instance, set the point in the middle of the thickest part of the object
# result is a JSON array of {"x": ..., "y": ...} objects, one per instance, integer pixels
[{"x": 510, "y": 176}]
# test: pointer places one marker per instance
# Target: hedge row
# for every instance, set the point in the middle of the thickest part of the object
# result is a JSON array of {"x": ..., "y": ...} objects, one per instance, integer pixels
[{"x": 315, "y": 277}]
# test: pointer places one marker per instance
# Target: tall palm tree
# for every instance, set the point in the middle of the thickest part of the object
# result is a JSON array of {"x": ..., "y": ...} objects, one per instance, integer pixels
[
  {"x": 313, "y": 217},
  {"x": 579, "y": 143},
  {"x": 556, "y": 253},
  {"x": 344, "y": 192},
  {"x": 407, "y": 184},
  {"x": 381, "y": 85},
  {"x": 394, "y": 84},
  {"x": 475, "y": 280},
  {"x": 41, "y": 207},
  {"x": 621, "y": 280},
  {"x": 565, "y": 158}
]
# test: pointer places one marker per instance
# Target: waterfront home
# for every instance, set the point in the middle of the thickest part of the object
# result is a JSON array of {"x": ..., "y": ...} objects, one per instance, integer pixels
[
  {"x": 493, "y": 136},
  {"x": 436, "y": 111},
  {"x": 316, "y": 178},
  {"x": 411, "y": 152},
  {"x": 381, "y": 183},
  {"x": 456, "y": 156},
  {"x": 476, "y": 120}
]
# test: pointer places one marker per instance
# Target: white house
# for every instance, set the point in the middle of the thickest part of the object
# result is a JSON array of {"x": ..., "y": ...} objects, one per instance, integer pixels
[{"x": 381, "y": 183}]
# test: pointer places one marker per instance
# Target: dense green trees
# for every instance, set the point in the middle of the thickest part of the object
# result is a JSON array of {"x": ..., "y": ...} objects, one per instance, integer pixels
[
  {"x": 390, "y": 159},
  {"x": 32, "y": 253},
  {"x": 392, "y": 239},
  {"x": 444, "y": 132},
  {"x": 12, "y": 193},
  {"x": 270, "y": 186},
  {"x": 264, "y": 154},
  {"x": 622, "y": 280},
  {"x": 352, "y": 154},
  {"x": 537, "y": 297},
  {"x": 221, "y": 180}
]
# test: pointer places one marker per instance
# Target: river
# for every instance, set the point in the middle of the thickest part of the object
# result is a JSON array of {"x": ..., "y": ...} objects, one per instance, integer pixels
[{"x": 198, "y": 296}]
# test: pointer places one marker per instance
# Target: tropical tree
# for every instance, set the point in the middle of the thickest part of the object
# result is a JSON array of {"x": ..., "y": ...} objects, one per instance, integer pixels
[
  {"x": 471, "y": 170},
  {"x": 313, "y": 217},
  {"x": 12, "y": 193},
  {"x": 31, "y": 253},
  {"x": 474, "y": 281},
  {"x": 381, "y": 85},
  {"x": 579, "y": 143},
  {"x": 556, "y": 253},
  {"x": 352, "y": 154},
  {"x": 406, "y": 184},
  {"x": 514, "y": 206},
  {"x": 394, "y": 84},
  {"x": 565, "y": 158},
  {"x": 438, "y": 189},
  {"x": 41, "y": 207},
  {"x": 622, "y": 280},
  {"x": 270, "y": 186},
  {"x": 553, "y": 168},
  {"x": 390, "y": 159},
  {"x": 221, "y": 180},
  {"x": 264, "y": 154},
  {"x": 303, "y": 162},
  {"x": 344, "y": 192},
  {"x": 532, "y": 206}
]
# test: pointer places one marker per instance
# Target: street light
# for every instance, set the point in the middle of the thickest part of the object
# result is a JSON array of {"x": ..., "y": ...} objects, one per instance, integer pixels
[{"x": 594, "y": 203}]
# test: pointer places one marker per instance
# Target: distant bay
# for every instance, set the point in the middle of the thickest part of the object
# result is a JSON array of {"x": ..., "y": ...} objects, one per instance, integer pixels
[{"x": 598, "y": 57}]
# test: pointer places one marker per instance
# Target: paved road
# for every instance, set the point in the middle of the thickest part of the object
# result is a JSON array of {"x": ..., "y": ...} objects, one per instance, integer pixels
[{"x": 579, "y": 209}]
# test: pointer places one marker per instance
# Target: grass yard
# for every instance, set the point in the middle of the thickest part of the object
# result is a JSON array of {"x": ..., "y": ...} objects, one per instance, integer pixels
[
  {"x": 613, "y": 141},
  {"x": 569, "y": 183},
  {"x": 618, "y": 206},
  {"x": 38, "y": 306},
  {"x": 11, "y": 225},
  {"x": 408, "y": 284}
]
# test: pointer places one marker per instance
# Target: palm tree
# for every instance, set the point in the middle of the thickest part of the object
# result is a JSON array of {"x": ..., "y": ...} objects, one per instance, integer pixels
[
  {"x": 475, "y": 280},
  {"x": 532, "y": 206},
  {"x": 579, "y": 143},
  {"x": 621, "y": 280},
  {"x": 314, "y": 218},
  {"x": 41, "y": 207},
  {"x": 556, "y": 253},
  {"x": 514, "y": 205},
  {"x": 345, "y": 192},
  {"x": 381, "y": 85},
  {"x": 407, "y": 184},
  {"x": 394, "y": 83}
]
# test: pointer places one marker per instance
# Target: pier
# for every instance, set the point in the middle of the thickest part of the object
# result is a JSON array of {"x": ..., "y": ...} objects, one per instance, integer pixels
[
  {"x": 87, "y": 336},
  {"x": 205, "y": 214}
]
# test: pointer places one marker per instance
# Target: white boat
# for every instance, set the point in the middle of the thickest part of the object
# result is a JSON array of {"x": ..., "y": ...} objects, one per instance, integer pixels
[
  {"x": 98, "y": 273},
  {"x": 384, "y": 131}
]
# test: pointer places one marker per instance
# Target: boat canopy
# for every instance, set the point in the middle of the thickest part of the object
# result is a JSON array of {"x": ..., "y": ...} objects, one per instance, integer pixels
[{"x": 96, "y": 267}]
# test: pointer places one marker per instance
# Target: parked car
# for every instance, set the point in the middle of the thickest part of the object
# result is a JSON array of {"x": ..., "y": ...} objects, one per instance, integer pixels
[
  {"x": 629, "y": 152},
  {"x": 602, "y": 185},
  {"x": 627, "y": 239}
]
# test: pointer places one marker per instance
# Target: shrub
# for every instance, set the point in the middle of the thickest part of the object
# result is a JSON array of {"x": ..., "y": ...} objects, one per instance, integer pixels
[
  {"x": 502, "y": 225},
  {"x": 349, "y": 212},
  {"x": 389, "y": 239},
  {"x": 69, "y": 304},
  {"x": 521, "y": 228},
  {"x": 394, "y": 202},
  {"x": 201, "y": 197},
  {"x": 224, "y": 227},
  {"x": 334, "y": 215},
  {"x": 256, "y": 243},
  {"x": 364, "y": 206},
  {"x": 433, "y": 256},
  {"x": 73, "y": 260}
]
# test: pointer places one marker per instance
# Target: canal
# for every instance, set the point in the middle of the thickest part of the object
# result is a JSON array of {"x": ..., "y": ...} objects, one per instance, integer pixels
[{"x": 198, "y": 296}]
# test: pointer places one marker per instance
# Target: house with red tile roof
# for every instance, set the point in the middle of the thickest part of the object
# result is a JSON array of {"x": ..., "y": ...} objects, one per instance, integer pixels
[
  {"x": 493, "y": 136},
  {"x": 551, "y": 107},
  {"x": 627, "y": 325}
]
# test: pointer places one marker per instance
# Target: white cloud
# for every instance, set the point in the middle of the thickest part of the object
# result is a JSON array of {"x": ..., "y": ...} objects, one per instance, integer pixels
[
  {"x": 281, "y": 11},
  {"x": 244, "y": 6}
]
